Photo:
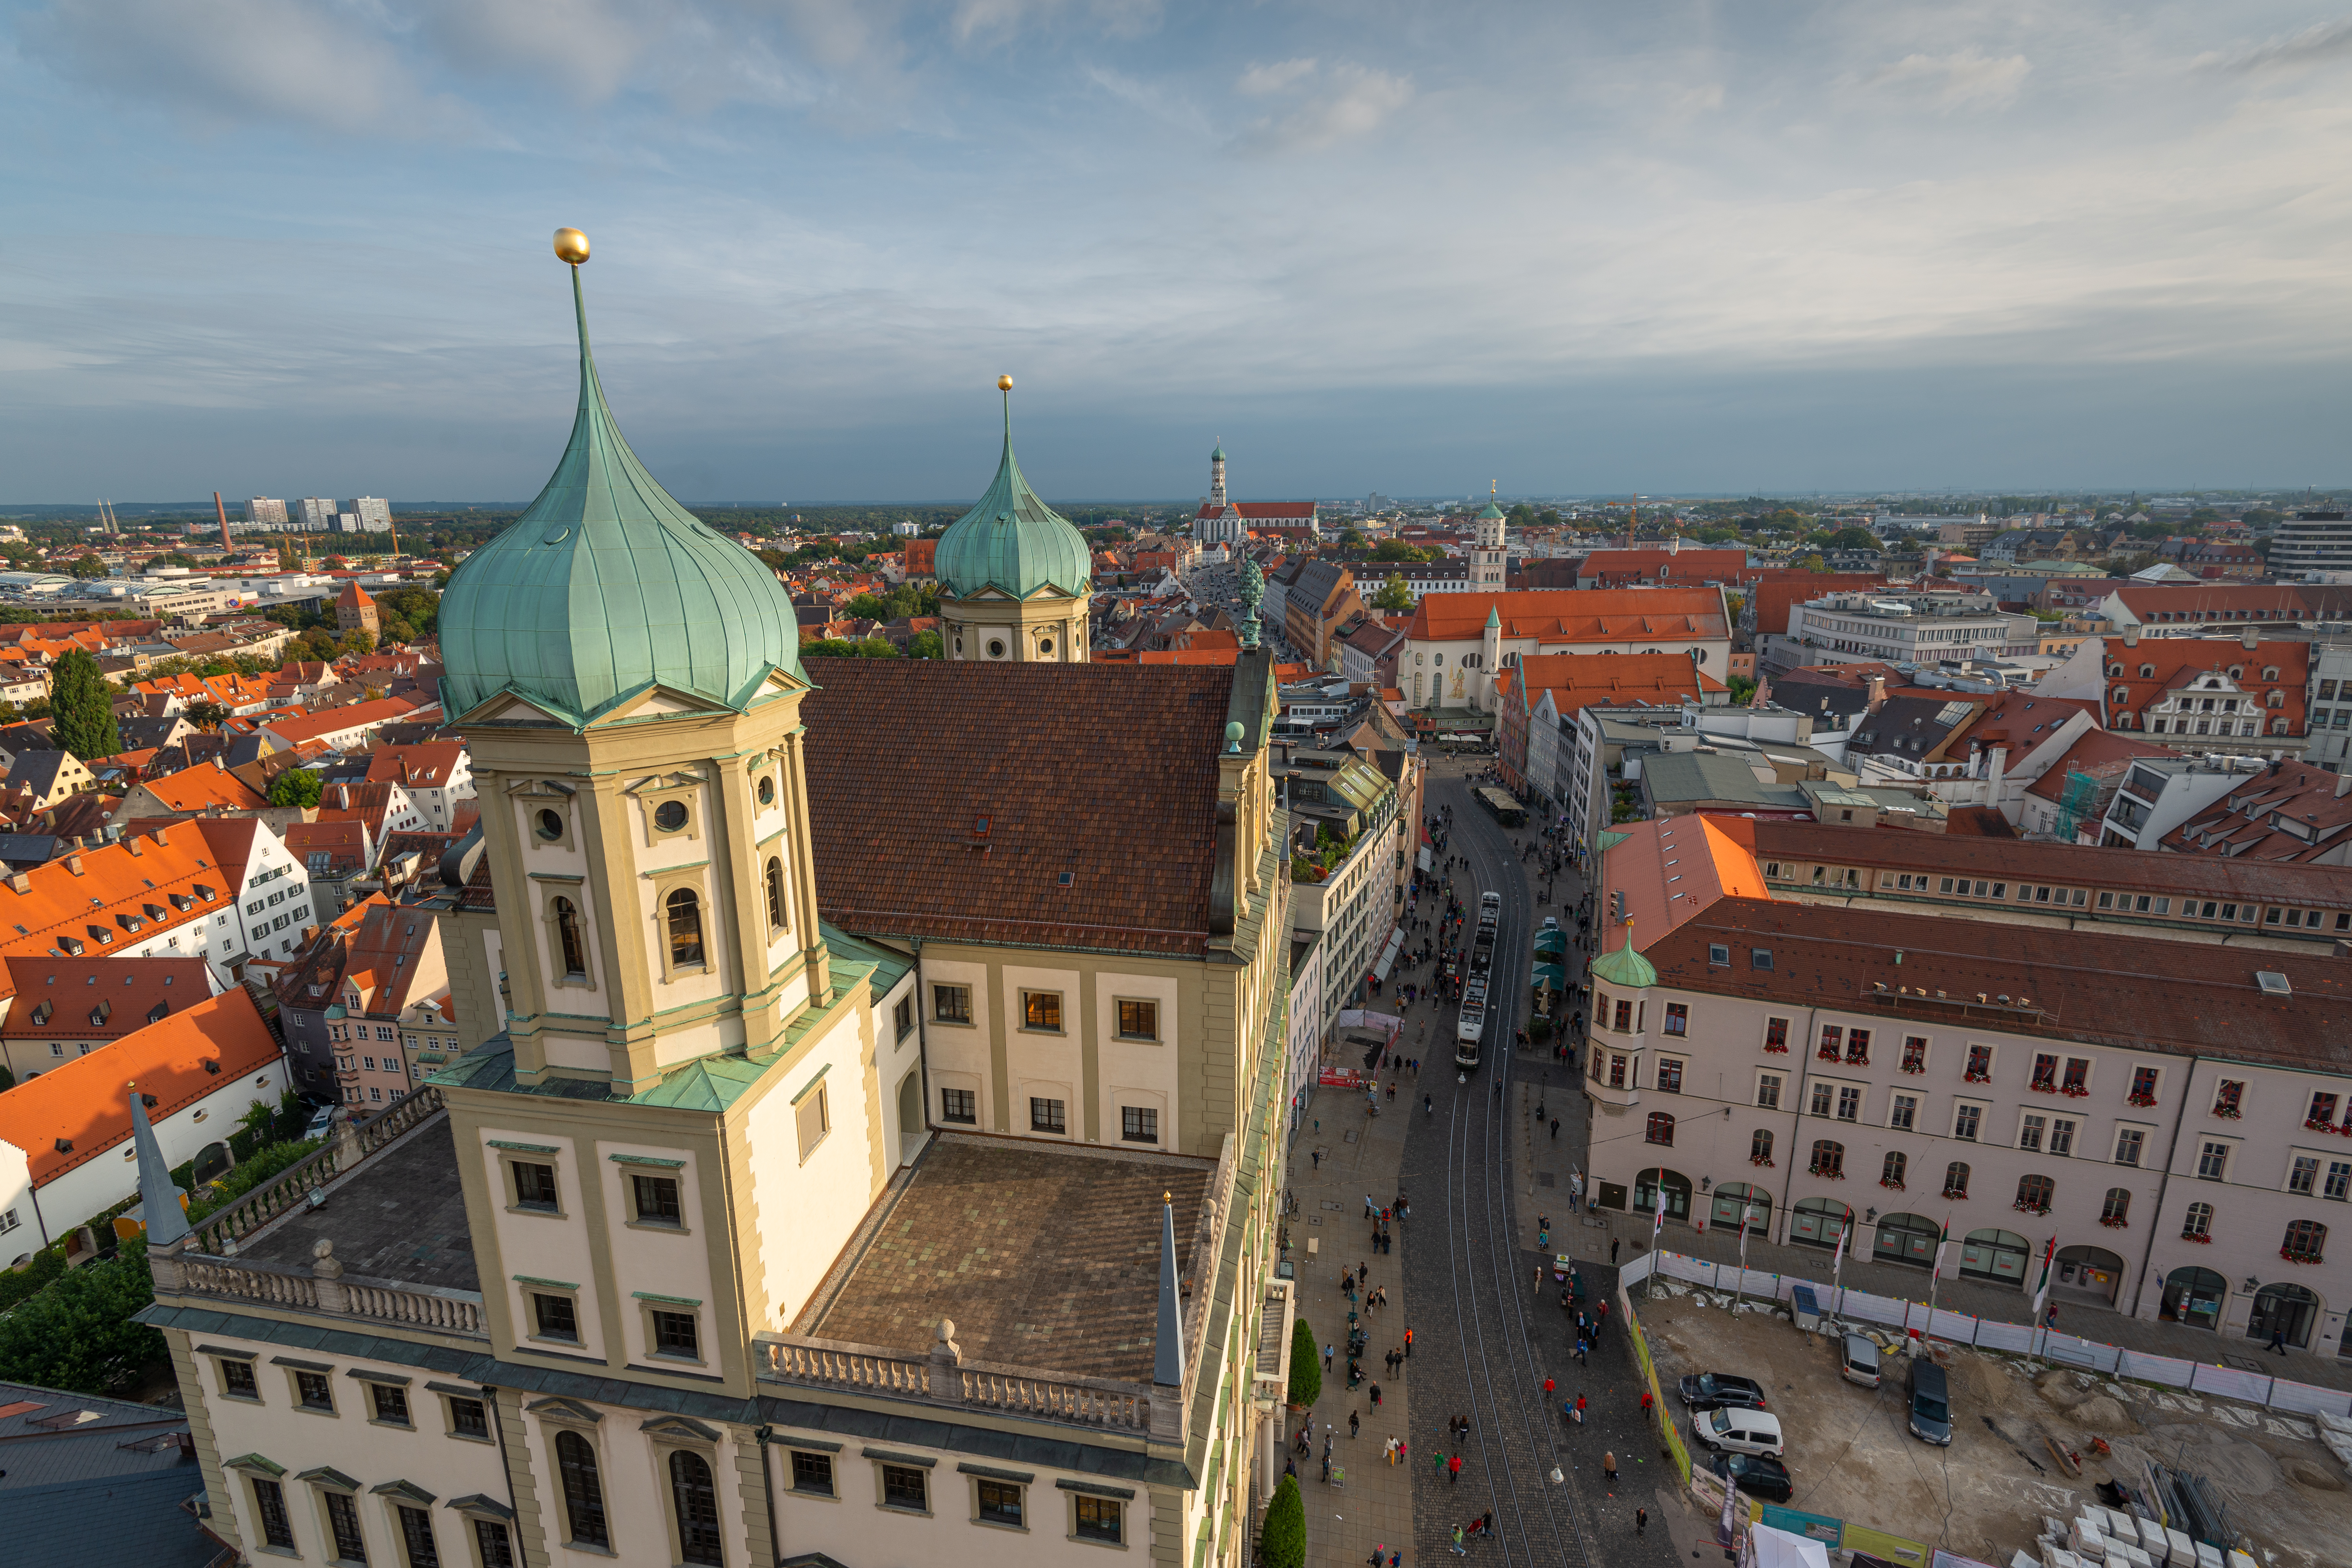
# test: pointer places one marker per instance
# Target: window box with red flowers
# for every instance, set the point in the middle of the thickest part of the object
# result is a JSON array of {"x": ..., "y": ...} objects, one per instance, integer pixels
[
  {"x": 1915, "y": 1066},
  {"x": 2024, "y": 1206},
  {"x": 2142, "y": 1099},
  {"x": 2291, "y": 1256},
  {"x": 1763, "y": 1160},
  {"x": 1827, "y": 1176},
  {"x": 1975, "y": 1077},
  {"x": 2199, "y": 1236},
  {"x": 2320, "y": 1126},
  {"x": 1780, "y": 1051},
  {"x": 2114, "y": 1222},
  {"x": 2075, "y": 1091},
  {"x": 2226, "y": 1112},
  {"x": 1890, "y": 1184},
  {"x": 1826, "y": 1054},
  {"x": 1957, "y": 1194},
  {"x": 2038, "y": 1087}
]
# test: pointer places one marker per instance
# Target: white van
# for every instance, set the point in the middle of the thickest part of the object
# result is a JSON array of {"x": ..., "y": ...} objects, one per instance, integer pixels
[{"x": 1738, "y": 1431}]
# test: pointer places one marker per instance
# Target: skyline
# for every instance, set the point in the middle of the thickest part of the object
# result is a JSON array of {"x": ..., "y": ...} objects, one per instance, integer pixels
[{"x": 302, "y": 246}]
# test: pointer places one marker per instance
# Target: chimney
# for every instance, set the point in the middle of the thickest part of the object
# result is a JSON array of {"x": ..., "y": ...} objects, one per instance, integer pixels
[
  {"x": 2131, "y": 636},
  {"x": 2250, "y": 640},
  {"x": 2343, "y": 786},
  {"x": 1877, "y": 692},
  {"x": 73, "y": 862},
  {"x": 1994, "y": 772}
]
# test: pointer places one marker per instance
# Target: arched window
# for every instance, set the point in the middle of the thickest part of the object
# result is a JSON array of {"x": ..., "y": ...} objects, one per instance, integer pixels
[
  {"x": 2123, "y": 694},
  {"x": 1661, "y": 1129},
  {"x": 2146, "y": 670},
  {"x": 2275, "y": 699},
  {"x": 2117, "y": 1211},
  {"x": 775, "y": 892},
  {"x": 570, "y": 947},
  {"x": 698, "y": 1507},
  {"x": 2237, "y": 672},
  {"x": 2270, "y": 672},
  {"x": 685, "y": 929},
  {"x": 2034, "y": 1193},
  {"x": 1759, "y": 1148},
  {"x": 2196, "y": 1225},
  {"x": 1955, "y": 1180},
  {"x": 2306, "y": 1239},
  {"x": 584, "y": 1498},
  {"x": 1891, "y": 1173},
  {"x": 1828, "y": 1158}
]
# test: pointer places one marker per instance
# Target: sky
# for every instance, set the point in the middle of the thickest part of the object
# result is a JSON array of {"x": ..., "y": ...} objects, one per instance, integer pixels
[{"x": 302, "y": 246}]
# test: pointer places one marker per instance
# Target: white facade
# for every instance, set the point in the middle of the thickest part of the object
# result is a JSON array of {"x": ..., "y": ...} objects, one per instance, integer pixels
[{"x": 1861, "y": 628}]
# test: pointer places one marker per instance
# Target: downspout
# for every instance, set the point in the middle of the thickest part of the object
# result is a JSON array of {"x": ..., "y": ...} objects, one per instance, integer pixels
[
  {"x": 2163, "y": 1186},
  {"x": 766, "y": 1435},
  {"x": 506, "y": 1463},
  {"x": 1796, "y": 1124}
]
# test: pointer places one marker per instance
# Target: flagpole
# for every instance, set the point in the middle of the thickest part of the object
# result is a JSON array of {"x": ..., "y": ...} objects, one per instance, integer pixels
[
  {"x": 1936, "y": 1274},
  {"x": 1657, "y": 1226},
  {"x": 2042, "y": 1296},
  {"x": 1739, "y": 1286}
]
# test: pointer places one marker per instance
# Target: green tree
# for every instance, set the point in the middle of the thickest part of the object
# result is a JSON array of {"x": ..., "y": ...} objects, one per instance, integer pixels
[
  {"x": 205, "y": 715},
  {"x": 843, "y": 647},
  {"x": 1853, "y": 539},
  {"x": 85, "y": 709},
  {"x": 866, "y": 607},
  {"x": 1306, "y": 1365},
  {"x": 1743, "y": 691},
  {"x": 1282, "y": 1540},
  {"x": 77, "y": 1334},
  {"x": 926, "y": 645},
  {"x": 1392, "y": 595},
  {"x": 87, "y": 565},
  {"x": 295, "y": 786}
]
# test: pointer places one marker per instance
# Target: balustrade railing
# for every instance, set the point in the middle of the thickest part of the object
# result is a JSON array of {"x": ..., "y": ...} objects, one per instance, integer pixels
[
  {"x": 319, "y": 1288},
  {"x": 219, "y": 1232},
  {"x": 946, "y": 1379}
]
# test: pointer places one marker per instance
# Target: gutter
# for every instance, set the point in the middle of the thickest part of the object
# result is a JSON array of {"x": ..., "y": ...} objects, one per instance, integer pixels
[{"x": 2148, "y": 1254}]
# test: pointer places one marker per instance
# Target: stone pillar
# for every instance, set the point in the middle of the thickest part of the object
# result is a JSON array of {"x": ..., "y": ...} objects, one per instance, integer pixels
[
  {"x": 164, "y": 1263},
  {"x": 946, "y": 1383},
  {"x": 334, "y": 1295}
]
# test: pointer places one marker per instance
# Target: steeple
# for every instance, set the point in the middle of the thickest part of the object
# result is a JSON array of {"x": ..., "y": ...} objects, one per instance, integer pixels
[
  {"x": 1168, "y": 1345},
  {"x": 1011, "y": 540},
  {"x": 1217, "y": 476},
  {"x": 159, "y": 1198}
]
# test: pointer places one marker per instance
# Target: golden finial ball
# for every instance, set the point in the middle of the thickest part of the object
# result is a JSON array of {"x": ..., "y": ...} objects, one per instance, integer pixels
[
  {"x": 1003, "y": 383},
  {"x": 571, "y": 246}
]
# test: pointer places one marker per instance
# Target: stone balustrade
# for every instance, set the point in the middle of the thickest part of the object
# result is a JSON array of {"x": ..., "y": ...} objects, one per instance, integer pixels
[
  {"x": 944, "y": 1377},
  {"x": 322, "y": 1288},
  {"x": 218, "y": 1234}
]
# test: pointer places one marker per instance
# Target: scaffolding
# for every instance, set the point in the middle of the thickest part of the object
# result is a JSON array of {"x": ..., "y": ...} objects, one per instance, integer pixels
[{"x": 2078, "y": 804}]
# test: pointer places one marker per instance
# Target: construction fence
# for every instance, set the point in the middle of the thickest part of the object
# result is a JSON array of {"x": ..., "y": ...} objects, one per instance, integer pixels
[{"x": 1990, "y": 1333}]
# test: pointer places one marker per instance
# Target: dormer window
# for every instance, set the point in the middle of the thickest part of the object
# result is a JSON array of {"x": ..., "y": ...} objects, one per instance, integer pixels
[{"x": 2147, "y": 671}]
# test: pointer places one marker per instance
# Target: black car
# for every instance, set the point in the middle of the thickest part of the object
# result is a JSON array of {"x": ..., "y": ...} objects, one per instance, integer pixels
[
  {"x": 1720, "y": 1390},
  {"x": 1757, "y": 1475}
]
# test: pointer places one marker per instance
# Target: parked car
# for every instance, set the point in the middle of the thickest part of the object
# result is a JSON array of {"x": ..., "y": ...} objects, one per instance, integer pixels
[
  {"x": 1931, "y": 1403},
  {"x": 321, "y": 1121},
  {"x": 1757, "y": 1475},
  {"x": 1733, "y": 1431},
  {"x": 1858, "y": 1360},
  {"x": 1714, "y": 1390}
]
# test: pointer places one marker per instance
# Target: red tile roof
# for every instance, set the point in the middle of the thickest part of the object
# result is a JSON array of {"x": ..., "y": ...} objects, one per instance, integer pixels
[
  {"x": 1566, "y": 616},
  {"x": 2155, "y": 668},
  {"x": 968, "y": 841},
  {"x": 2102, "y": 754},
  {"x": 99, "y": 999}
]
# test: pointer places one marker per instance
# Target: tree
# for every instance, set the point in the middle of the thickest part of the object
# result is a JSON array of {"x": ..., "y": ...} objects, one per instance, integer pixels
[
  {"x": 1743, "y": 691},
  {"x": 295, "y": 786},
  {"x": 77, "y": 1334},
  {"x": 1282, "y": 1539},
  {"x": 927, "y": 645},
  {"x": 1393, "y": 594},
  {"x": 205, "y": 715},
  {"x": 85, "y": 709},
  {"x": 1306, "y": 1365},
  {"x": 87, "y": 565}
]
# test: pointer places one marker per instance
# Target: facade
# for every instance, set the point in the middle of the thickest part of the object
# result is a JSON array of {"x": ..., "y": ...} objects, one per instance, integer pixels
[
  {"x": 373, "y": 513},
  {"x": 783, "y": 995},
  {"x": 1353, "y": 906},
  {"x": 2176, "y": 1137},
  {"x": 356, "y": 612},
  {"x": 1912, "y": 628},
  {"x": 2314, "y": 546},
  {"x": 2195, "y": 695},
  {"x": 1014, "y": 574},
  {"x": 2330, "y": 739},
  {"x": 1222, "y": 519},
  {"x": 350, "y": 1003},
  {"x": 1456, "y": 641},
  {"x": 1320, "y": 600},
  {"x": 316, "y": 514},
  {"x": 264, "y": 512},
  {"x": 1489, "y": 559}
]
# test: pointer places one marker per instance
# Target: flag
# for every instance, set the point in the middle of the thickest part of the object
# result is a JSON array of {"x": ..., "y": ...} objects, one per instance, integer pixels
[
  {"x": 2042, "y": 1290},
  {"x": 1658, "y": 1200},
  {"x": 1943, "y": 1241}
]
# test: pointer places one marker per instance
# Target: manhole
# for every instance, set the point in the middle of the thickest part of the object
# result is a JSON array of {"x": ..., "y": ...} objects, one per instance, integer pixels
[{"x": 1351, "y": 1137}]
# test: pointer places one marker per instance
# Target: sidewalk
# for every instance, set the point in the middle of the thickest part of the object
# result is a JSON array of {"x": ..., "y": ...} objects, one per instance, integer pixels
[{"x": 1361, "y": 1157}]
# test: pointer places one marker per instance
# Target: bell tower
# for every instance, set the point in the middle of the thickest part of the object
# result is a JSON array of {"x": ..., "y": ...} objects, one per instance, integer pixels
[
  {"x": 1489, "y": 562},
  {"x": 1217, "y": 476},
  {"x": 1015, "y": 575}
]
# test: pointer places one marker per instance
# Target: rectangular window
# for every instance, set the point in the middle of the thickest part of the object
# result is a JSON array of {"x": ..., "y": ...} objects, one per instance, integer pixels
[
  {"x": 269, "y": 1506},
  {"x": 676, "y": 1334},
  {"x": 1041, "y": 1010},
  {"x": 958, "y": 1105},
  {"x": 903, "y": 1016},
  {"x": 1625, "y": 1018},
  {"x": 1857, "y": 1047},
  {"x": 534, "y": 1186},
  {"x": 999, "y": 1503},
  {"x": 312, "y": 1390},
  {"x": 491, "y": 1540},
  {"x": 469, "y": 1417},
  {"x": 416, "y": 1537},
  {"x": 812, "y": 1473},
  {"x": 1097, "y": 1519},
  {"x": 2143, "y": 1088},
  {"x": 2045, "y": 1070},
  {"x": 2029, "y": 1130},
  {"x": 1047, "y": 1115},
  {"x": 1139, "y": 1124},
  {"x": 1965, "y": 1121},
  {"x": 1849, "y": 1103},
  {"x": 2323, "y": 1110},
  {"x": 2340, "y": 1179},
  {"x": 1903, "y": 1111},
  {"x": 2062, "y": 1135},
  {"x": 1980, "y": 1068},
  {"x": 391, "y": 1404},
  {"x": 237, "y": 1379},
  {"x": 1670, "y": 1076},
  {"x": 1824, "y": 1097},
  {"x": 1677, "y": 1018},
  {"x": 1767, "y": 1090},
  {"x": 1616, "y": 1070},
  {"x": 557, "y": 1316},
  {"x": 1833, "y": 1042},
  {"x": 905, "y": 1486},
  {"x": 655, "y": 1198},
  {"x": 344, "y": 1523},
  {"x": 951, "y": 1004},
  {"x": 2213, "y": 1161},
  {"x": 1139, "y": 1020},
  {"x": 2129, "y": 1143},
  {"x": 1776, "y": 1033},
  {"x": 1915, "y": 1053},
  {"x": 813, "y": 1119},
  {"x": 2078, "y": 1076},
  {"x": 2303, "y": 1176}
]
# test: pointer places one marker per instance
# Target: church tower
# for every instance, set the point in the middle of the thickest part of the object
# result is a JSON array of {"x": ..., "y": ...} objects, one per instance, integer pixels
[
  {"x": 1488, "y": 560},
  {"x": 1217, "y": 476},
  {"x": 1014, "y": 574}
]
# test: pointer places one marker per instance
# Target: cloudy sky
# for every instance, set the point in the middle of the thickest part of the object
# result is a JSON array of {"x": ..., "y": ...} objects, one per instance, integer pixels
[{"x": 294, "y": 246}]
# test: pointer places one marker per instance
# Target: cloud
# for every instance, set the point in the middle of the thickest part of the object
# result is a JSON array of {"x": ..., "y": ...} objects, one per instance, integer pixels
[
  {"x": 2320, "y": 42},
  {"x": 1259, "y": 81},
  {"x": 584, "y": 46},
  {"x": 1344, "y": 103},
  {"x": 1962, "y": 78},
  {"x": 1117, "y": 18}
]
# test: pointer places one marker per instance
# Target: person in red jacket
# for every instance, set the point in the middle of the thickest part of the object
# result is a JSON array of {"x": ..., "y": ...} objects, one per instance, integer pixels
[{"x": 1453, "y": 1470}]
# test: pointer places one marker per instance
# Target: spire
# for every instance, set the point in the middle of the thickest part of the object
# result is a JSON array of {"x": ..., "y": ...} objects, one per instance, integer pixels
[
  {"x": 1493, "y": 617},
  {"x": 159, "y": 1199},
  {"x": 1167, "y": 1357}
]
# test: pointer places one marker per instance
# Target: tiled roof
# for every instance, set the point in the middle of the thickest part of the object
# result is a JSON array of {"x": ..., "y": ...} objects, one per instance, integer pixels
[
  {"x": 1561, "y": 614},
  {"x": 126, "y": 891},
  {"x": 86, "y": 1104},
  {"x": 427, "y": 766},
  {"x": 1775, "y": 595},
  {"x": 2100, "y": 753},
  {"x": 1294, "y": 511},
  {"x": 1660, "y": 565},
  {"x": 1673, "y": 868},
  {"x": 2169, "y": 663},
  {"x": 1577, "y": 680},
  {"x": 949, "y": 799},
  {"x": 197, "y": 789},
  {"x": 2289, "y": 812},
  {"x": 2062, "y": 985},
  {"x": 99, "y": 999}
]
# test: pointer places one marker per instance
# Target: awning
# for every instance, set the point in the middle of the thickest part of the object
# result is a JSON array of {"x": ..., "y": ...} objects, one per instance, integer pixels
[
  {"x": 1389, "y": 953},
  {"x": 1425, "y": 863},
  {"x": 1552, "y": 975},
  {"x": 1552, "y": 941}
]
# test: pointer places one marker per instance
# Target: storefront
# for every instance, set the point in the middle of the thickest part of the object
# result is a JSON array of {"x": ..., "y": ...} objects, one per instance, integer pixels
[
  {"x": 1819, "y": 1222},
  {"x": 1732, "y": 1198},
  {"x": 2290, "y": 1310},
  {"x": 2193, "y": 1296},
  {"x": 2091, "y": 1275},
  {"x": 1677, "y": 1188},
  {"x": 1905, "y": 1239},
  {"x": 1995, "y": 1255}
]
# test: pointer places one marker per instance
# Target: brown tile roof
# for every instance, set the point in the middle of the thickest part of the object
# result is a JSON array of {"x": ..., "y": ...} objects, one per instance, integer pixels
[
  {"x": 948, "y": 799},
  {"x": 2102, "y": 754},
  {"x": 1044, "y": 1256},
  {"x": 2081, "y": 985},
  {"x": 98, "y": 998}
]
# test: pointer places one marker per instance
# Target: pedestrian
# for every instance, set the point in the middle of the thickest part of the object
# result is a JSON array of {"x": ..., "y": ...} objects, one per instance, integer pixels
[
  {"x": 1327, "y": 1469},
  {"x": 1387, "y": 1450},
  {"x": 1326, "y": 1358},
  {"x": 2278, "y": 1338},
  {"x": 1648, "y": 1399},
  {"x": 1438, "y": 1460},
  {"x": 2051, "y": 1319},
  {"x": 1555, "y": 1128},
  {"x": 1538, "y": 1278},
  {"x": 1402, "y": 1447},
  {"x": 1408, "y": 1344},
  {"x": 1317, "y": 1156},
  {"x": 1609, "y": 1466},
  {"x": 1576, "y": 1411},
  {"x": 1641, "y": 1522},
  {"x": 1547, "y": 1391},
  {"x": 1457, "y": 1548},
  {"x": 1580, "y": 1353},
  {"x": 1353, "y": 1422},
  {"x": 1376, "y": 1396},
  {"x": 1612, "y": 1253},
  {"x": 1453, "y": 1470},
  {"x": 1486, "y": 1523}
]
